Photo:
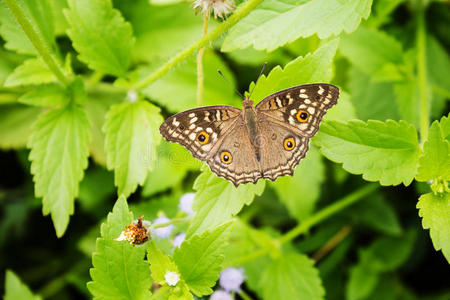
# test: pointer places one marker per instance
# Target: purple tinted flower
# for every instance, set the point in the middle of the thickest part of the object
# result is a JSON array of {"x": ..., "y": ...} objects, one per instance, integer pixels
[
  {"x": 185, "y": 205},
  {"x": 163, "y": 232},
  {"x": 178, "y": 239},
  {"x": 231, "y": 279},
  {"x": 220, "y": 295}
]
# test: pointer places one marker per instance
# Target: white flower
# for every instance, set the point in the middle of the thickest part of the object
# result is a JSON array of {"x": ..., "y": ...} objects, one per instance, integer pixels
[
  {"x": 220, "y": 295},
  {"x": 231, "y": 279},
  {"x": 220, "y": 7},
  {"x": 186, "y": 201},
  {"x": 178, "y": 239},
  {"x": 172, "y": 278},
  {"x": 132, "y": 96},
  {"x": 163, "y": 232}
]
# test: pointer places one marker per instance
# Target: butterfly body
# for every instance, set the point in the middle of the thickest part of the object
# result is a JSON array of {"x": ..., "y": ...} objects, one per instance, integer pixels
[{"x": 263, "y": 141}]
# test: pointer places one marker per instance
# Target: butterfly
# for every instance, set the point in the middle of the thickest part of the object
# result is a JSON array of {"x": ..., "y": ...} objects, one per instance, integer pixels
[{"x": 263, "y": 141}]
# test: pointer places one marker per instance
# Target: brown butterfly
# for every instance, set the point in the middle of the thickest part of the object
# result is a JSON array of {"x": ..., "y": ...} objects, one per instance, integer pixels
[{"x": 263, "y": 141}]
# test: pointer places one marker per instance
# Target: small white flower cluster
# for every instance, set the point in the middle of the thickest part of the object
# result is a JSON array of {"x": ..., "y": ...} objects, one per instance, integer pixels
[
  {"x": 219, "y": 7},
  {"x": 172, "y": 278},
  {"x": 230, "y": 280}
]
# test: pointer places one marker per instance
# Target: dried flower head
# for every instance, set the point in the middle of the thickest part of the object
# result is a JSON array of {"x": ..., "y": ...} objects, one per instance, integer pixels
[
  {"x": 219, "y": 7},
  {"x": 136, "y": 233}
]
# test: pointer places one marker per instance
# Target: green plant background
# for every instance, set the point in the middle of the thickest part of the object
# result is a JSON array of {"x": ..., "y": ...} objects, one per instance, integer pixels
[{"x": 85, "y": 84}]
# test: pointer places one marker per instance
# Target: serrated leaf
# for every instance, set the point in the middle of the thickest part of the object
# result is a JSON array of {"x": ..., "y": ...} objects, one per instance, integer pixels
[
  {"x": 387, "y": 152},
  {"x": 132, "y": 135},
  {"x": 39, "y": 14},
  {"x": 15, "y": 125},
  {"x": 59, "y": 152},
  {"x": 217, "y": 200},
  {"x": 300, "y": 192},
  {"x": 50, "y": 95},
  {"x": 16, "y": 289},
  {"x": 370, "y": 49},
  {"x": 200, "y": 258},
  {"x": 97, "y": 106},
  {"x": 277, "y": 22},
  {"x": 120, "y": 271},
  {"x": 312, "y": 68},
  {"x": 178, "y": 89},
  {"x": 31, "y": 71},
  {"x": 435, "y": 213},
  {"x": 343, "y": 110},
  {"x": 106, "y": 49},
  {"x": 435, "y": 162},
  {"x": 160, "y": 264},
  {"x": 292, "y": 276}
]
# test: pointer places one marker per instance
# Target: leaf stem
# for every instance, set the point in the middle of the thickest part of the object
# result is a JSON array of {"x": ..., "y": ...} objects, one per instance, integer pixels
[
  {"x": 200, "y": 64},
  {"x": 243, "y": 11},
  {"x": 309, "y": 222},
  {"x": 422, "y": 71},
  {"x": 173, "y": 221},
  {"x": 40, "y": 45}
]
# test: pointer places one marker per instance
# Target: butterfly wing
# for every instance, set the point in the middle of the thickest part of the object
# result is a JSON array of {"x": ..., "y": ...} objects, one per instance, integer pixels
[
  {"x": 200, "y": 129},
  {"x": 300, "y": 108},
  {"x": 287, "y": 120}
]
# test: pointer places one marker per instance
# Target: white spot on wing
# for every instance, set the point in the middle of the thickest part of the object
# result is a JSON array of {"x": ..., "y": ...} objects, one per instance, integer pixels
[
  {"x": 321, "y": 90},
  {"x": 307, "y": 101},
  {"x": 192, "y": 136},
  {"x": 193, "y": 120},
  {"x": 311, "y": 110},
  {"x": 209, "y": 130},
  {"x": 191, "y": 115},
  {"x": 192, "y": 126},
  {"x": 304, "y": 96},
  {"x": 293, "y": 111}
]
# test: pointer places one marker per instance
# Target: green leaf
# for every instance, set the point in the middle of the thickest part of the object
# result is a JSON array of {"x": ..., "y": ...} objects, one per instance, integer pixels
[
  {"x": 435, "y": 213},
  {"x": 106, "y": 49},
  {"x": 300, "y": 192},
  {"x": 435, "y": 162},
  {"x": 362, "y": 282},
  {"x": 32, "y": 71},
  {"x": 120, "y": 271},
  {"x": 217, "y": 200},
  {"x": 369, "y": 49},
  {"x": 343, "y": 110},
  {"x": 160, "y": 264},
  {"x": 16, "y": 289},
  {"x": 277, "y": 22},
  {"x": 200, "y": 258},
  {"x": 39, "y": 14},
  {"x": 50, "y": 95},
  {"x": 59, "y": 152},
  {"x": 15, "y": 124},
  {"x": 97, "y": 105},
  {"x": 178, "y": 89},
  {"x": 131, "y": 138},
  {"x": 292, "y": 276},
  {"x": 386, "y": 152},
  {"x": 173, "y": 163},
  {"x": 408, "y": 101},
  {"x": 315, "y": 67},
  {"x": 438, "y": 64}
]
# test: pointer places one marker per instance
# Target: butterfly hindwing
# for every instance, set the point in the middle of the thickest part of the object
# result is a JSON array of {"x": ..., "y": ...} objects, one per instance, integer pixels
[
  {"x": 299, "y": 108},
  {"x": 200, "y": 129}
]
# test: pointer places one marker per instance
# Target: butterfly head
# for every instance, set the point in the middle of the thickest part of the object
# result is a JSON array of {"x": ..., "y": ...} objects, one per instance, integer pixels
[{"x": 247, "y": 103}]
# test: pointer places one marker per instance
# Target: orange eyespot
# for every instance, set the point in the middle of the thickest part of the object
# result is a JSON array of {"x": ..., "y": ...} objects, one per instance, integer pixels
[
  {"x": 289, "y": 144},
  {"x": 203, "y": 137},
  {"x": 226, "y": 157},
  {"x": 302, "y": 116}
]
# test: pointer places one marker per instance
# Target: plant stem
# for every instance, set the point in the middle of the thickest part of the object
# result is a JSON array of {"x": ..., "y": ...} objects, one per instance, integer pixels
[
  {"x": 200, "y": 64},
  {"x": 244, "y": 295},
  {"x": 332, "y": 243},
  {"x": 38, "y": 43},
  {"x": 212, "y": 35},
  {"x": 422, "y": 71},
  {"x": 173, "y": 221},
  {"x": 309, "y": 222},
  {"x": 159, "y": 293}
]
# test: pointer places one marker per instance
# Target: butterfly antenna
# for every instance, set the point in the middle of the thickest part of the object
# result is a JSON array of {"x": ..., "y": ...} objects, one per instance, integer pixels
[
  {"x": 237, "y": 92},
  {"x": 260, "y": 73}
]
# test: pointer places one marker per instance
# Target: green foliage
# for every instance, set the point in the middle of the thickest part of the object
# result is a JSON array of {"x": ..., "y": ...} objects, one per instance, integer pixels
[
  {"x": 106, "y": 49},
  {"x": 16, "y": 124},
  {"x": 130, "y": 143},
  {"x": 277, "y": 22},
  {"x": 16, "y": 289},
  {"x": 59, "y": 152},
  {"x": 386, "y": 152},
  {"x": 120, "y": 271},
  {"x": 32, "y": 71}
]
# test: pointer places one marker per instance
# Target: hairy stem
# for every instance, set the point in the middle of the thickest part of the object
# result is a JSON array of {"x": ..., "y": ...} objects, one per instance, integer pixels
[
  {"x": 200, "y": 64},
  {"x": 243, "y": 11},
  {"x": 309, "y": 222},
  {"x": 422, "y": 71},
  {"x": 38, "y": 43}
]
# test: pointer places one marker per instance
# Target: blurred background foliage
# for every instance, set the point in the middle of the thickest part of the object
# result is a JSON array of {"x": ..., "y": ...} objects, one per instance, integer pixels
[{"x": 375, "y": 249}]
